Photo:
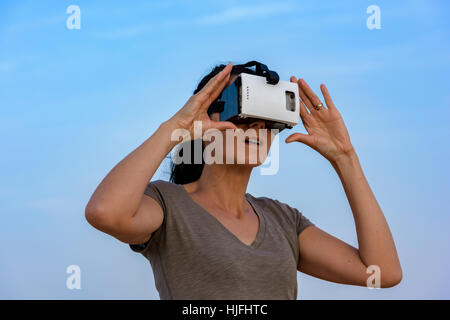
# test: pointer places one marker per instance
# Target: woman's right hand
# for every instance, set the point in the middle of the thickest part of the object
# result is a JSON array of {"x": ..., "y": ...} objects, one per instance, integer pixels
[{"x": 195, "y": 109}]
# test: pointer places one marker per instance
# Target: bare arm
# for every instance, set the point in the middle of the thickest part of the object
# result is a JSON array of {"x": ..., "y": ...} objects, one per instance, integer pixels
[
  {"x": 118, "y": 206},
  {"x": 321, "y": 254},
  {"x": 329, "y": 258}
]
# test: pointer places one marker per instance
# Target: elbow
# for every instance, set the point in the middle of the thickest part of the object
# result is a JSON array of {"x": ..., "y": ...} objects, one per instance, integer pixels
[
  {"x": 104, "y": 218},
  {"x": 96, "y": 216},
  {"x": 392, "y": 279}
]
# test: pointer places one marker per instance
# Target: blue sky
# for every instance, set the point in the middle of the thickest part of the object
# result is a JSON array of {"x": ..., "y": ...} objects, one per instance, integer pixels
[{"x": 75, "y": 102}]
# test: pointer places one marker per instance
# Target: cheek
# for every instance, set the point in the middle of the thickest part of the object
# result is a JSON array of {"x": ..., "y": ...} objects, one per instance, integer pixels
[
  {"x": 226, "y": 150},
  {"x": 269, "y": 140},
  {"x": 233, "y": 152}
]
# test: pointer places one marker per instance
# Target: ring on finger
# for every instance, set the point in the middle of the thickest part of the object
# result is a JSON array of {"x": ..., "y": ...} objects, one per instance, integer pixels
[{"x": 318, "y": 107}]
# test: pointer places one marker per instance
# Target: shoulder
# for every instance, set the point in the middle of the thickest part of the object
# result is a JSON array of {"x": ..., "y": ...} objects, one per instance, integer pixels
[
  {"x": 275, "y": 206},
  {"x": 162, "y": 186},
  {"x": 284, "y": 214},
  {"x": 164, "y": 192},
  {"x": 270, "y": 202}
]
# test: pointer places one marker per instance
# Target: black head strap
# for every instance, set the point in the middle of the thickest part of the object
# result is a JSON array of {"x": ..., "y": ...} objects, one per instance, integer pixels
[{"x": 261, "y": 70}]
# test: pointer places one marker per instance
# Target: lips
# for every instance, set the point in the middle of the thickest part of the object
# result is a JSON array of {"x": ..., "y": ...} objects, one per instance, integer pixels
[{"x": 253, "y": 141}]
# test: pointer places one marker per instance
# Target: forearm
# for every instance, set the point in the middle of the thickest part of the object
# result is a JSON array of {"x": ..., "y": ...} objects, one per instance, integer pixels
[
  {"x": 376, "y": 244},
  {"x": 120, "y": 192}
]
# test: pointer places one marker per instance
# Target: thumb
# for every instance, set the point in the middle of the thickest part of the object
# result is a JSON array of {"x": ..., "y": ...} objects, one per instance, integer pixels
[
  {"x": 222, "y": 125},
  {"x": 300, "y": 137}
]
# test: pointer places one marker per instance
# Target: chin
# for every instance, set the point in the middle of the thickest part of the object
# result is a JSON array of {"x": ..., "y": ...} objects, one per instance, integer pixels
[{"x": 248, "y": 161}]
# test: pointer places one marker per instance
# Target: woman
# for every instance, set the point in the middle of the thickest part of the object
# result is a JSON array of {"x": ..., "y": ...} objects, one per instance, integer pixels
[{"x": 206, "y": 238}]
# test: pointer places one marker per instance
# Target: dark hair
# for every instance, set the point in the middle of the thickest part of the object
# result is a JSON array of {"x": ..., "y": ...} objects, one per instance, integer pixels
[{"x": 189, "y": 172}]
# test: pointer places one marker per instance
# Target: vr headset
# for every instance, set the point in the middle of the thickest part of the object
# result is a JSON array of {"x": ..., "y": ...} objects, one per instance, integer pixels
[{"x": 258, "y": 95}]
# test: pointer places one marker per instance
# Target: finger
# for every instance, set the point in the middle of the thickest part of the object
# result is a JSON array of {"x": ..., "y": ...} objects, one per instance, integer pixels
[
  {"x": 311, "y": 95},
  {"x": 301, "y": 137},
  {"x": 305, "y": 99},
  {"x": 216, "y": 93},
  {"x": 219, "y": 79},
  {"x": 216, "y": 80},
  {"x": 303, "y": 111},
  {"x": 222, "y": 125},
  {"x": 326, "y": 95},
  {"x": 207, "y": 100}
]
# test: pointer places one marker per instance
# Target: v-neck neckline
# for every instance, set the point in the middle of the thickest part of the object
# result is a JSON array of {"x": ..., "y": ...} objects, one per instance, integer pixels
[{"x": 261, "y": 224}]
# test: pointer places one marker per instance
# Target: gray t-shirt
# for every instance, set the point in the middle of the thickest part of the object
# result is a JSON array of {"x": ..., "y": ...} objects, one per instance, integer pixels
[{"x": 193, "y": 255}]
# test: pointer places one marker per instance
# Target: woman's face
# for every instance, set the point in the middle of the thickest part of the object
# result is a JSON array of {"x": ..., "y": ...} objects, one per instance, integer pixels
[{"x": 249, "y": 145}]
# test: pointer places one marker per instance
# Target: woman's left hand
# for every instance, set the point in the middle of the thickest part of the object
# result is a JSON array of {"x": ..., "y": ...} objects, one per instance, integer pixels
[{"x": 327, "y": 133}]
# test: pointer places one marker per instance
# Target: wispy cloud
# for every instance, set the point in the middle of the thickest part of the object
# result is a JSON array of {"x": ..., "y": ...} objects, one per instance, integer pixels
[
  {"x": 35, "y": 24},
  {"x": 126, "y": 32},
  {"x": 244, "y": 12},
  {"x": 228, "y": 15}
]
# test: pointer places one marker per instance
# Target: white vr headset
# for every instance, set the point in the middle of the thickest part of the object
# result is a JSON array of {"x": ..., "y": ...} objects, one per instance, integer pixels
[{"x": 258, "y": 95}]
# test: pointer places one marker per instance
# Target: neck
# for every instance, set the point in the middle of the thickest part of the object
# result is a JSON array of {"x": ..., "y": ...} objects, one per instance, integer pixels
[{"x": 225, "y": 186}]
